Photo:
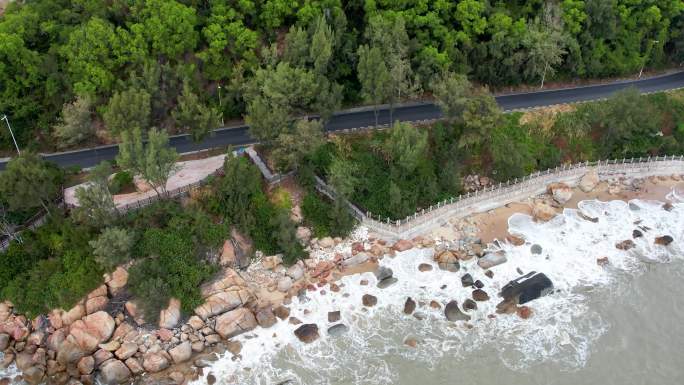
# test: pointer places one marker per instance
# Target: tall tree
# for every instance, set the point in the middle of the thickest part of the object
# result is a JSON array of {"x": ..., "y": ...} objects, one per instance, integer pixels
[
  {"x": 481, "y": 116},
  {"x": 154, "y": 161},
  {"x": 29, "y": 182},
  {"x": 407, "y": 146},
  {"x": 193, "y": 116},
  {"x": 95, "y": 203},
  {"x": 544, "y": 51},
  {"x": 127, "y": 110},
  {"x": 76, "y": 124},
  {"x": 451, "y": 93},
  {"x": 374, "y": 77},
  {"x": 113, "y": 247},
  {"x": 291, "y": 147}
]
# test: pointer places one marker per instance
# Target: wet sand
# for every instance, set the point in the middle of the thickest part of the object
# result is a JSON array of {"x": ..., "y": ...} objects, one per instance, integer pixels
[{"x": 494, "y": 223}]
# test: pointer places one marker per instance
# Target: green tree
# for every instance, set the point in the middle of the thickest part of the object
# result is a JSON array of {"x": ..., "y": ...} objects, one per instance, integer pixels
[
  {"x": 304, "y": 139},
  {"x": 481, "y": 117},
  {"x": 76, "y": 124},
  {"x": 191, "y": 115},
  {"x": 155, "y": 161},
  {"x": 95, "y": 203},
  {"x": 451, "y": 93},
  {"x": 407, "y": 146},
  {"x": 286, "y": 237},
  {"x": 29, "y": 182},
  {"x": 167, "y": 25},
  {"x": 374, "y": 78},
  {"x": 544, "y": 51},
  {"x": 127, "y": 110},
  {"x": 342, "y": 178},
  {"x": 113, "y": 247}
]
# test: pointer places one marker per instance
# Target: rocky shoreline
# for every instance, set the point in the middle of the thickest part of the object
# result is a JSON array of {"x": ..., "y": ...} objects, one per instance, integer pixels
[{"x": 105, "y": 337}]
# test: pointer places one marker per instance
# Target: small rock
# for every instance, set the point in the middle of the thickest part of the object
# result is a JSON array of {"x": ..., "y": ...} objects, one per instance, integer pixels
[
  {"x": 423, "y": 267},
  {"x": 294, "y": 321},
  {"x": 410, "y": 341},
  {"x": 295, "y": 272},
  {"x": 281, "y": 312},
  {"x": 154, "y": 362},
  {"x": 326, "y": 243},
  {"x": 491, "y": 259},
  {"x": 385, "y": 283},
  {"x": 86, "y": 365},
  {"x": 382, "y": 273},
  {"x": 664, "y": 240},
  {"x": 536, "y": 249},
  {"x": 602, "y": 261},
  {"x": 409, "y": 306},
  {"x": 625, "y": 245},
  {"x": 402, "y": 245},
  {"x": 307, "y": 333},
  {"x": 589, "y": 181},
  {"x": 560, "y": 191},
  {"x": 334, "y": 316},
  {"x": 337, "y": 330},
  {"x": 285, "y": 284},
  {"x": 524, "y": 312},
  {"x": 480, "y": 295},
  {"x": 469, "y": 304},
  {"x": 478, "y": 284},
  {"x": 114, "y": 372},
  {"x": 265, "y": 317},
  {"x": 435, "y": 305},
  {"x": 211, "y": 379},
  {"x": 234, "y": 347},
  {"x": 489, "y": 274},
  {"x": 543, "y": 212},
  {"x": 467, "y": 280},
  {"x": 369, "y": 300},
  {"x": 637, "y": 234},
  {"x": 453, "y": 313},
  {"x": 668, "y": 206}
]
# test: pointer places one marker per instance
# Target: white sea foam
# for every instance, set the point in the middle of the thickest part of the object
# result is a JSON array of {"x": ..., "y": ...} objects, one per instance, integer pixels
[{"x": 562, "y": 329}]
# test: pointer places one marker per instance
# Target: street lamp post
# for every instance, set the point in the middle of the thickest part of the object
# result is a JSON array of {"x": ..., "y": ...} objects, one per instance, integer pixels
[
  {"x": 4, "y": 117},
  {"x": 643, "y": 63},
  {"x": 220, "y": 104}
]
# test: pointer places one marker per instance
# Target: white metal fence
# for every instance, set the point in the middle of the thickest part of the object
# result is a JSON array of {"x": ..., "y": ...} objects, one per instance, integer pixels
[{"x": 513, "y": 190}]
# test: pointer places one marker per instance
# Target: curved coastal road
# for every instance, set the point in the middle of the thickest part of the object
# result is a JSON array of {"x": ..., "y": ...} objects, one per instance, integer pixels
[{"x": 359, "y": 118}]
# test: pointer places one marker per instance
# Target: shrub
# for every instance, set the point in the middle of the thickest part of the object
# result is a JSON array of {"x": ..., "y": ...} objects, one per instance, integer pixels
[
  {"x": 113, "y": 247},
  {"x": 122, "y": 180}
]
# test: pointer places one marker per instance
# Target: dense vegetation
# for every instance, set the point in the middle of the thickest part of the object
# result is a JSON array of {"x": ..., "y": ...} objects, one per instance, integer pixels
[
  {"x": 393, "y": 173},
  {"x": 173, "y": 247},
  {"x": 74, "y": 72}
]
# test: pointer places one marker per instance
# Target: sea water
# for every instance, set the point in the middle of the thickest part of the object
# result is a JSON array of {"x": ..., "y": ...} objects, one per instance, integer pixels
[{"x": 616, "y": 324}]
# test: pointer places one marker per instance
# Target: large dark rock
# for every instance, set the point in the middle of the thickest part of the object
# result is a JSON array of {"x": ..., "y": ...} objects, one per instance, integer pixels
[
  {"x": 382, "y": 273},
  {"x": 526, "y": 288},
  {"x": 637, "y": 234},
  {"x": 385, "y": 283},
  {"x": 536, "y": 249},
  {"x": 307, "y": 333},
  {"x": 469, "y": 304},
  {"x": 453, "y": 313},
  {"x": 480, "y": 295}
]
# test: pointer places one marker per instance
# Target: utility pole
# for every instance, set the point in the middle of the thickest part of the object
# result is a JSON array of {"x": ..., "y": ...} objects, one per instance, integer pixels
[{"x": 4, "y": 117}]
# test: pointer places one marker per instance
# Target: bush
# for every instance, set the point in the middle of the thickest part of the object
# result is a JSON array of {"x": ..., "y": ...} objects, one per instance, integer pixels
[
  {"x": 122, "y": 180},
  {"x": 170, "y": 268},
  {"x": 113, "y": 247}
]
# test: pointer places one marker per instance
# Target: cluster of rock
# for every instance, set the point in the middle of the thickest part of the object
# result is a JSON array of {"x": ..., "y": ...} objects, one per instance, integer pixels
[{"x": 475, "y": 182}]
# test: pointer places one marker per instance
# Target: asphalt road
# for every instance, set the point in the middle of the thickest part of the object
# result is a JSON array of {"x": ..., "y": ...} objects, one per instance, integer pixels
[{"x": 359, "y": 118}]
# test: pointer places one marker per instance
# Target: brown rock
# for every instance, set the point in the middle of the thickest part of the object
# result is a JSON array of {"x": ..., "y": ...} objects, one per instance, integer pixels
[
  {"x": 127, "y": 350},
  {"x": 69, "y": 353},
  {"x": 307, "y": 333},
  {"x": 222, "y": 302},
  {"x": 334, "y": 316},
  {"x": 114, "y": 372},
  {"x": 234, "y": 347},
  {"x": 265, "y": 317},
  {"x": 469, "y": 304},
  {"x": 664, "y": 240},
  {"x": 211, "y": 380},
  {"x": 515, "y": 241},
  {"x": 435, "y": 305},
  {"x": 480, "y": 295},
  {"x": 561, "y": 192},
  {"x": 33, "y": 375},
  {"x": 196, "y": 322},
  {"x": 410, "y": 341},
  {"x": 101, "y": 356},
  {"x": 155, "y": 362},
  {"x": 117, "y": 281},
  {"x": 589, "y": 181},
  {"x": 86, "y": 365},
  {"x": 74, "y": 314},
  {"x": 602, "y": 261},
  {"x": 235, "y": 322},
  {"x": 524, "y": 312},
  {"x": 294, "y": 321},
  {"x": 134, "y": 366},
  {"x": 281, "y": 312},
  {"x": 409, "y": 306},
  {"x": 423, "y": 267},
  {"x": 369, "y": 300},
  {"x": 169, "y": 317},
  {"x": 96, "y": 304},
  {"x": 402, "y": 245},
  {"x": 181, "y": 353},
  {"x": 543, "y": 212},
  {"x": 625, "y": 245}
]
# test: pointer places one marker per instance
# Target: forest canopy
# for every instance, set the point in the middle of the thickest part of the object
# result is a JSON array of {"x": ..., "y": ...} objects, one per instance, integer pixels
[{"x": 74, "y": 72}]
